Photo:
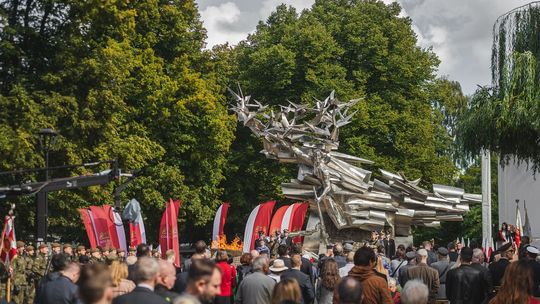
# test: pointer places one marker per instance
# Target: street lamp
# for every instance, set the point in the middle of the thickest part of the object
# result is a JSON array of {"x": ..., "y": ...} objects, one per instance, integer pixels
[{"x": 47, "y": 139}]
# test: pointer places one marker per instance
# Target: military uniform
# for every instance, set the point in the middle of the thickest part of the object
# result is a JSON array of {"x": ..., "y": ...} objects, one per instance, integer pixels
[
  {"x": 39, "y": 267},
  {"x": 3, "y": 280},
  {"x": 20, "y": 284}
]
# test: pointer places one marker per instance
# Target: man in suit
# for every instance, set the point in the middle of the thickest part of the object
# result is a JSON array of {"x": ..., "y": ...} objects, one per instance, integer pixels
[
  {"x": 443, "y": 265},
  {"x": 204, "y": 280},
  {"x": 308, "y": 292},
  {"x": 63, "y": 288},
  {"x": 286, "y": 239},
  {"x": 424, "y": 273},
  {"x": 498, "y": 268},
  {"x": 256, "y": 287},
  {"x": 166, "y": 280},
  {"x": 283, "y": 254},
  {"x": 146, "y": 274},
  {"x": 306, "y": 267}
]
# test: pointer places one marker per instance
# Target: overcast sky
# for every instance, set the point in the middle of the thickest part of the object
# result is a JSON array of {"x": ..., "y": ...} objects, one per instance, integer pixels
[{"x": 460, "y": 31}]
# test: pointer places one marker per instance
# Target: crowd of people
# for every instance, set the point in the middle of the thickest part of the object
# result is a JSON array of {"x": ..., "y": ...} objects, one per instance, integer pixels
[{"x": 278, "y": 271}]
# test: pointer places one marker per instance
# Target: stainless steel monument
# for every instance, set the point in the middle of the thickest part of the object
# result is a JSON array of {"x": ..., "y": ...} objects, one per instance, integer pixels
[{"x": 335, "y": 184}]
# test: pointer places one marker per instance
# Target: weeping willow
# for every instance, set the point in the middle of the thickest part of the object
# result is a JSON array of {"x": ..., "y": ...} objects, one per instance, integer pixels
[{"x": 506, "y": 116}]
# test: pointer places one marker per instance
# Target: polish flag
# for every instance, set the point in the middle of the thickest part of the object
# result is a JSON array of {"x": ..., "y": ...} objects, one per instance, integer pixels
[
  {"x": 116, "y": 228},
  {"x": 258, "y": 220},
  {"x": 168, "y": 231},
  {"x": 9, "y": 244},
  {"x": 277, "y": 219},
  {"x": 137, "y": 233},
  {"x": 89, "y": 226},
  {"x": 219, "y": 221},
  {"x": 101, "y": 226}
]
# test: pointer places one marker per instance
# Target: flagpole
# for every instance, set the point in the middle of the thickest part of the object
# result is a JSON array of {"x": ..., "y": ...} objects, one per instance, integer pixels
[{"x": 486, "y": 194}]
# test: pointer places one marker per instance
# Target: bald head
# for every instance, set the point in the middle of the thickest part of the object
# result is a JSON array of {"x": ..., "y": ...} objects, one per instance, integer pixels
[{"x": 167, "y": 274}]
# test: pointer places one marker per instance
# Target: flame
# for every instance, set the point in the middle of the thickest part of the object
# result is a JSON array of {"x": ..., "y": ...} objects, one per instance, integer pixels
[{"x": 221, "y": 243}]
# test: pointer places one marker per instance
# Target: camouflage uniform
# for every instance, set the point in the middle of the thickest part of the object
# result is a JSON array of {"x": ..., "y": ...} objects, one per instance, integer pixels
[
  {"x": 3, "y": 280},
  {"x": 39, "y": 268},
  {"x": 20, "y": 283},
  {"x": 30, "y": 287}
]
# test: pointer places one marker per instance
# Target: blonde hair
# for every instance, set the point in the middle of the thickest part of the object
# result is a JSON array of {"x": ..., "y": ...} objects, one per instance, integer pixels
[
  {"x": 119, "y": 271},
  {"x": 287, "y": 290}
]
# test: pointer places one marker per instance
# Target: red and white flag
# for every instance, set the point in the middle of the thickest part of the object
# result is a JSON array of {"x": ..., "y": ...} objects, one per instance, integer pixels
[
  {"x": 219, "y": 221},
  {"x": 9, "y": 244},
  {"x": 258, "y": 220},
  {"x": 86, "y": 216},
  {"x": 277, "y": 219},
  {"x": 297, "y": 221},
  {"x": 132, "y": 212},
  {"x": 116, "y": 228},
  {"x": 168, "y": 231}
]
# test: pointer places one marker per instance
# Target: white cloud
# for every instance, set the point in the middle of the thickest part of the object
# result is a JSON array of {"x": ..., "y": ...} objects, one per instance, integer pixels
[
  {"x": 218, "y": 19},
  {"x": 268, "y": 6}
]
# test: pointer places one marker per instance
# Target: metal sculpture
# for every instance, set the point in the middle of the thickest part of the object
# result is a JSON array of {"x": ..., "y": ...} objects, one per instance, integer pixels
[{"x": 333, "y": 182}]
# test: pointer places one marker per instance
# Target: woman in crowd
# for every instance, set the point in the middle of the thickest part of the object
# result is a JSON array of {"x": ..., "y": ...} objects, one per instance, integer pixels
[
  {"x": 398, "y": 262},
  {"x": 517, "y": 285},
  {"x": 328, "y": 281},
  {"x": 228, "y": 278},
  {"x": 120, "y": 284},
  {"x": 244, "y": 268},
  {"x": 392, "y": 286},
  {"x": 287, "y": 291}
]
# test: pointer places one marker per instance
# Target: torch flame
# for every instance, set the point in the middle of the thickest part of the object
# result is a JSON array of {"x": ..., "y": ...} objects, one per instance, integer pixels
[{"x": 221, "y": 243}]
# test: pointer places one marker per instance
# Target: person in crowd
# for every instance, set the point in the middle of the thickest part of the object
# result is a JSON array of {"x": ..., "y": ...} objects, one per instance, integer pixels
[
  {"x": 262, "y": 248},
  {"x": 56, "y": 248},
  {"x": 415, "y": 292},
  {"x": 308, "y": 292},
  {"x": 95, "y": 256},
  {"x": 443, "y": 265},
  {"x": 432, "y": 256},
  {"x": 68, "y": 251},
  {"x": 505, "y": 236},
  {"x": 349, "y": 291},
  {"x": 170, "y": 257},
  {"x": 306, "y": 264},
  {"x": 517, "y": 285},
  {"x": 204, "y": 280},
  {"x": 286, "y": 239},
  {"x": 261, "y": 237},
  {"x": 385, "y": 261},
  {"x": 277, "y": 268},
  {"x": 465, "y": 283},
  {"x": 452, "y": 253},
  {"x": 273, "y": 244},
  {"x": 531, "y": 254},
  {"x": 40, "y": 265},
  {"x": 498, "y": 268},
  {"x": 122, "y": 255},
  {"x": 485, "y": 276},
  {"x": 344, "y": 271},
  {"x": 283, "y": 254},
  {"x": 145, "y": 274},
  {"x": 259, "y": 288},
  {"x": 397, "y": 263},
  {"x": 287, "y": 291},
  {"x": 166, "y": 280},
  {"x": 402, "y": 272},
  {"x": 200, "y": 253},
  {"x": 63, "y": 288},
  {"x": 392, "y": 287},
  {"x": 81, "y": 251},
  {"x": 132, "y": 251},
  {"x": 55, "y": 266},
  {"x": 374, "y": 285},
  {"x": 522, "y": 250},
  {"x": 120, "y": 284},
  {"x": 95, "y": 284},
  {"x": 425, "y": 274},
  {"x": 338, "y": 255},
  {"x": 347, "y": 247},
  {"x": 228, "y": 278},
  {"x": 329, "y": 279},
  {"x": 244, "y": 268}
]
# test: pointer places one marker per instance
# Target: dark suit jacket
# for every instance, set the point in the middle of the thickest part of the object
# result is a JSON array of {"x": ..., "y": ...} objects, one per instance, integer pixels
[
  {"x": 60, "y": 291},
  {"x": 181, "y": 283},
  {"x": 140, "y": 295},
  {"x": 308, "y": 292},
  {"x": 497, "y": 270},
  {"x": 428, "y": 275},
  {"x": 307, "y": 269}
]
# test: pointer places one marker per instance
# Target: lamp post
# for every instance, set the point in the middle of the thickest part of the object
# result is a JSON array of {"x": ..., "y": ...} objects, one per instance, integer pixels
[{"x": 47, "y": 139}]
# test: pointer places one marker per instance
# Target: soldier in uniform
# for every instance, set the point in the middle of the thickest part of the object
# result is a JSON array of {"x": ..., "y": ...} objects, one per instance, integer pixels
[
  {"x": 41, "y": 264},
  {"x": 95, "y": 256},
  {"x": 122, "y": 255},
  {"x": 30, "y": 287},
  {"x": 132, "y": 251},
  {"x": 18, "y": 266},
  {"x": 56, "y": 248},
  {"x": 3, "y": 280},
  {"x": 81, "y": 250},
  {"x": 68, "y": 251}
]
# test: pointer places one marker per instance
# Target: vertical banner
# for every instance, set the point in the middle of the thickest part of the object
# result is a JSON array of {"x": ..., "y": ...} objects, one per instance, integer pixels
[
  {"x": 116, "y": 228},
  {"x": 277, "y": 219},
  {"x": 297, "y": 221},
  {"x": 132, "y": 212},
  {"x": 109, "y": 217},
  {"x": 258, "y": 220},
  {"x": 102, "y": 229},
  {"x": 219, "y": 221},
  {"x": 89, "y": 226},
  {"x": 168, "y": 231},
  {"x": 9, "y": 244}
]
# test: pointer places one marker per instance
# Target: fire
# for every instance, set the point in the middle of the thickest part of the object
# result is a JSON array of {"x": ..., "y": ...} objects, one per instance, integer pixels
[{"x": 221, "y": 243}]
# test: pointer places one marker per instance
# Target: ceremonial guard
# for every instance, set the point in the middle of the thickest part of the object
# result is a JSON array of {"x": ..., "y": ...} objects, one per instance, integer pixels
[
  {"x": 30, "y": 287},
  {"x": 56, "y": 248},
  {"x": 20, "y": 283},
  {"x": 95, "y": 256},
  {"x": 81, "y": 250},
  {"x": 41, "y": 264},
  {"x": 68, "y": 251}
]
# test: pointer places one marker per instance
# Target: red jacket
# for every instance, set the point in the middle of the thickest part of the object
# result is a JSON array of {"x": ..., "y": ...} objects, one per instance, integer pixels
[{"x": 228, "y": 278}]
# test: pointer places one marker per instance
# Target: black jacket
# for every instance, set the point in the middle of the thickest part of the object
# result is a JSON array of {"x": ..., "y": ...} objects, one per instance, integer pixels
[
  {"x": 536, "y": 272},
  {"x": 497, "y": 270},
  {"x": 166, "y": 294},
  {"x": 140, "y": 295},
  {"x": 466, "y": 285},
  {"x": 308, "y": 292},
  {"x": 60, "y": 291},
  {"x": 181, "y": 282}
]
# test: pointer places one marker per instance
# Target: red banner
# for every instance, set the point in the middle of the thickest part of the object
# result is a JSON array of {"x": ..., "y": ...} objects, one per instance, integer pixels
[
  {"x": 277, "y": 219},
  {"x": 297, "y": 220},
  {"x": 109, "y": 216},
  {"x": 260, "y": 222},
  {"x": 100, "y": 223},
  {"x": 168, "y": 231},
  {"x": 88, "y": 225}
]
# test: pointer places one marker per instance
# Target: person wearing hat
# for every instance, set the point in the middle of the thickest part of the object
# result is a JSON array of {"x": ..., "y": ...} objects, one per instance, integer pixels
[
  {"x": 530, "y": 255},
  {"x": 56, "y": 248},
  {"x": 498, "y": 268},
  {"x": 443, "y": 265},
  {"x": 132, "y": 251},
  {"x": 261, "y": 237},
  {"x": 68, "y": 250},
  {"x": 41, "y": 264},
  {"x": 95, "y": 256},
  {"x": 81, "y": 250},
  {"x": 421, "y": 271},
  {"x": 20, "y": 282},
  {"x": 30, "y": 288},
  {"x": 121, "y": 254},
  {"x": 402, "y": 272},
  {"x": 286, "y": 239},
  {"x": 277, "y": 269}
]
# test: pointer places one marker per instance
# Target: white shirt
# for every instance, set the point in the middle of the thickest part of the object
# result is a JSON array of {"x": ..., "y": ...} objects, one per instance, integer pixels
[{"x": 344, "y": 271}]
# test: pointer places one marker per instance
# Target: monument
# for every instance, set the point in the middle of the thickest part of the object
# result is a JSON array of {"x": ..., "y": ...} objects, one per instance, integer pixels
[{"x": 338, "y": 189}]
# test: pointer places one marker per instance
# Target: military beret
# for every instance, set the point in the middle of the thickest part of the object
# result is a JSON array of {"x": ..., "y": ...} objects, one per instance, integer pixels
[
  {"x": 81, "y": 247},
  {"x": 442, "y": 251},
  {"x": 410, "y": 255},
  {"x": 20, "y": 244},
  {"x": 132, "y": 248},
  {"x": 93, "y": 250},
  {"x": 42, "y": 246},
  {"x": 67, "y": 246},
  {"x": 55, "y": 245},
  {"x": 29, "y": 248},
  {"x": 120, "y": 250}
]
